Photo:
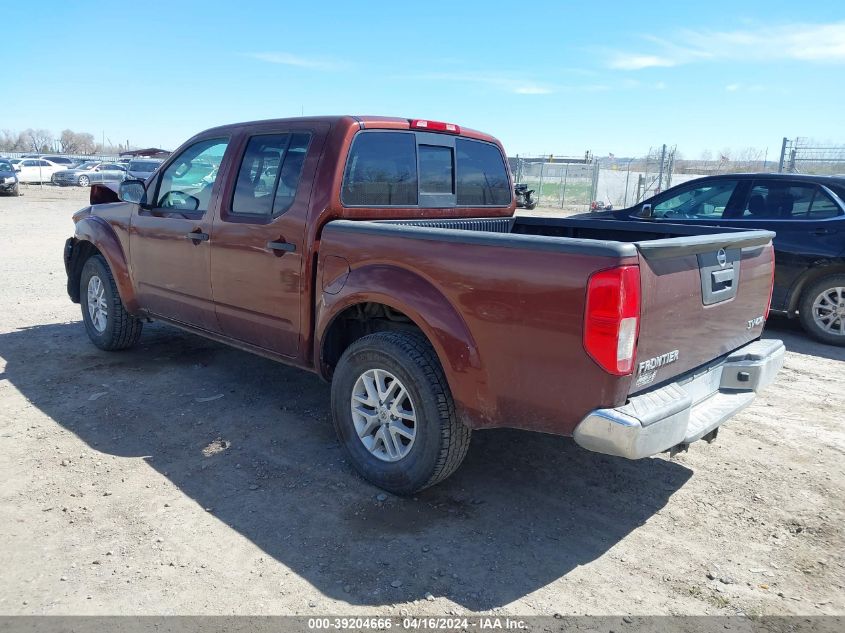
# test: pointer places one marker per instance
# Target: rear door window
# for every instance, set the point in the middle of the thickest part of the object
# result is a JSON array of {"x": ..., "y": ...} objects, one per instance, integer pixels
[
  {"x": 269, "y": 173},
  {"x": 823, "y": 207},
  {"x": 783, "y": 200}
]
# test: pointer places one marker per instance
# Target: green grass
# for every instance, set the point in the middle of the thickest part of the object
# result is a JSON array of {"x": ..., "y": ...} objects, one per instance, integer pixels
[{"x": 575, "y": 193}]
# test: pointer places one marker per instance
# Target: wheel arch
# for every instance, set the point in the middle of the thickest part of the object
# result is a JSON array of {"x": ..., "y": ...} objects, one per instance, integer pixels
[
  {"x": 813, "y": 274},
  {"x": 378, "y": 297},
  {"x": 94, "y": 236}
]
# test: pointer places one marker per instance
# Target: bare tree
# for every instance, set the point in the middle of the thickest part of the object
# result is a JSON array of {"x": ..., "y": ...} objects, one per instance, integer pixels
[
  {"x": 68, "y": 142},
  {"x": 39, "y": 140},
  {"x": 85, "y": 142},
  {"x": 8, "y": 141},
  {"x": 77, "y": 142}
]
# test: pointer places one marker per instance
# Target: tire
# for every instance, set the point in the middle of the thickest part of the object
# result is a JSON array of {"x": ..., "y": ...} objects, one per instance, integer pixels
[
  {"x": 816, "y": 309},
  {"x": 84, "y": 181},
  {"x": 112, "y": 328},
  {"x": 440, "y": 440}
]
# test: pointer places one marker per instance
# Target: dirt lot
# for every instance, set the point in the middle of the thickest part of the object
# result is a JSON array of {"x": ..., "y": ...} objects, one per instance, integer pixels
[{"x": 185, "y": 477}]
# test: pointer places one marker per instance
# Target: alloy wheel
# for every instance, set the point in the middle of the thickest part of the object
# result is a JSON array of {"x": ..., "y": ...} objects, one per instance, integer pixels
[
  {"x": 829, "y": 311},
  {"x": 384, "y": 415},
  {"x": 98, "y": 308}
]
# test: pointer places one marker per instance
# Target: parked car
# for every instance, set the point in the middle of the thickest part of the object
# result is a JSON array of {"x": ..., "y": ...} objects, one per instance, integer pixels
[
  {"x": 90, "y": 172},
  {"x": 601, "y": 205},
  {"x": 806, "y": 212},
  {"x": 36, "y": 170},
  {"x": 385, "y": 256},
  {"x": 142, "y": 168},
  {"x": 66, "y": 161},
  {"x": 8, "y": 178}
]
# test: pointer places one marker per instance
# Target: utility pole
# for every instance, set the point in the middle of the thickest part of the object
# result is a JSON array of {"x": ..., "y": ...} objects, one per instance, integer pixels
[
  {"x": 782, "y": 155},
  {"x": 660, "y": 174}
]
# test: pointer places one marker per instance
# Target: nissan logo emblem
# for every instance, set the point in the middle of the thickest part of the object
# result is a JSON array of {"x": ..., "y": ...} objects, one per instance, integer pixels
[{"x": 722, "y": 257}]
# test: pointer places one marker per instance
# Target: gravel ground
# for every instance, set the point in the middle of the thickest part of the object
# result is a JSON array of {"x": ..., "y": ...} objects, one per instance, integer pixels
[{"x": 184, "y": 477}]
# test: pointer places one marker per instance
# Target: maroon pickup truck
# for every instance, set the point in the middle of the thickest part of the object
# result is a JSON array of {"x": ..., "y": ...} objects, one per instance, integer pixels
[{"x": 384, "y": 255}]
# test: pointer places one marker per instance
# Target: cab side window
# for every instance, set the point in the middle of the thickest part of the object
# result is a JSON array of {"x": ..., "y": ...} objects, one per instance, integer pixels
[{"x": 187, "y": 182}]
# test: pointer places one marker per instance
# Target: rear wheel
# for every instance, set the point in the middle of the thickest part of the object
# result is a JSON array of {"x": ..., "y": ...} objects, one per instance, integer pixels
[
  {"x": 822, "y": 310},
  {"x": 394, "y": 413},
  {"x": 108, "y": 324}
]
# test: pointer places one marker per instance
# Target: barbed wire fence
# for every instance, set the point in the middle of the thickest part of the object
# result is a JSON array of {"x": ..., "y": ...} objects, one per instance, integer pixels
[{"x": 805, "y": 156}]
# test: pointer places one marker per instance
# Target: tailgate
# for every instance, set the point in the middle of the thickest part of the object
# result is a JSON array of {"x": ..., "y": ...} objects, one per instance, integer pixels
[{"x": 702, "y": 297}]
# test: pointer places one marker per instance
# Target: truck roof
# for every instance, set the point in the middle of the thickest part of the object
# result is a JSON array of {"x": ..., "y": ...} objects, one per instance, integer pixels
[{"x": 363, "y": 121}]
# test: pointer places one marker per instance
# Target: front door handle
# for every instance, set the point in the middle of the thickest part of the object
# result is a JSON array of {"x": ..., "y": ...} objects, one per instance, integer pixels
[
  {"x": 279, "y": 248},
  {"x": 197, "y": 236},
  {"x": 823, "y": 231}
]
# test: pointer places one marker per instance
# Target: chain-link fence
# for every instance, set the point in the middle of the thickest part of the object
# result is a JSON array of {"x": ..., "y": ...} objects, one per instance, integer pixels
[
  {"x": 568, "y": 184},
  {"x": 574, "y": 184}
]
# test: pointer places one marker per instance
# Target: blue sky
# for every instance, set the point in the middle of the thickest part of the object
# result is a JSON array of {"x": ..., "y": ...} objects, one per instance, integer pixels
[{"x": 545, "y": 77}]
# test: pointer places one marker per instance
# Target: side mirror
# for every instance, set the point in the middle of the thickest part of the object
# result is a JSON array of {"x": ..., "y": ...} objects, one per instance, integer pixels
[
  {"x": 17, "y": 167},
  {"x": 646, "y": 211},
  {"x": 132, "y": 191}
]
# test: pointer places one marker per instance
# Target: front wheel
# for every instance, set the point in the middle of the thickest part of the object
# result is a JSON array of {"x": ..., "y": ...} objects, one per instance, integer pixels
[
  {"x": 109, "y": 326},
  {"x": 822, "y": 310},
  {"x": 84, "y": 181},
  {"x": 394, "y": 414}
]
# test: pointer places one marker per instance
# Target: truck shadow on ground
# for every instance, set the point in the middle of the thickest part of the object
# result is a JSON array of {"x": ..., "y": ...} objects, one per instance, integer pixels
[{"x": 251, "y": 441}]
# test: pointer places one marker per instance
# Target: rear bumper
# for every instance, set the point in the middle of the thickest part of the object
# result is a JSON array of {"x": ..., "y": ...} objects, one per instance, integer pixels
[{"x": 685, "y": 410}]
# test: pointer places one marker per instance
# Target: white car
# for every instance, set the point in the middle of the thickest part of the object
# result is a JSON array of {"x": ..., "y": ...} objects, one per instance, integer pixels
[{"x": 37, "y": 170}]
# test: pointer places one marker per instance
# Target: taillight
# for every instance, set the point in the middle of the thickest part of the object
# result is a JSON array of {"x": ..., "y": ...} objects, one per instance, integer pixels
[
  {"x": 435, "y": 126},
  {"x": 612, "y": 318},
  {"x": 771, "y": 287}
]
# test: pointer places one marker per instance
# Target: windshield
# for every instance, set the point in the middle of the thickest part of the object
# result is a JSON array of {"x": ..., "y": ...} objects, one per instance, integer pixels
[
  {"x": 5, "y": 165},
  {"x": 88, "y": 164},
  {"x": 146, "y": 166}
]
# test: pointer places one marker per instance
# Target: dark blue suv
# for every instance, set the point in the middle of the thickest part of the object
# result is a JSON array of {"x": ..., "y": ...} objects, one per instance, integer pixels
[{"x": 808, "y": 214}]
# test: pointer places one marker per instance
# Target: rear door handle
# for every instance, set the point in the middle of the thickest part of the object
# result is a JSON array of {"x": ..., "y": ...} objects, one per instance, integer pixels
[
  {"x": 823, "y": 231},
  {"x": 281, "y": 247},
  {"x": 197, "y": 236}
]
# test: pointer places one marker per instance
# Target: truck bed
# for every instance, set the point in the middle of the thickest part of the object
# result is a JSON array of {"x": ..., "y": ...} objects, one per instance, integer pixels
[{"x": 519, "y": 284}]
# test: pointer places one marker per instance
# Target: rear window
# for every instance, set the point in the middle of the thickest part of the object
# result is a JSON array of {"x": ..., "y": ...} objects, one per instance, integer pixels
[
  {"x": 482, "y": 177},
  {"x": 436, "y": 169},
  {"x": 381, "y": 170},
  {"x": 143, "y": 165},
  {"x": 406, "y": 169}
]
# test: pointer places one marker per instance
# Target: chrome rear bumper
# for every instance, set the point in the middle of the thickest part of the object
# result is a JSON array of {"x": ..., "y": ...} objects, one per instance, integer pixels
[{"x": 685, "y": 410}]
